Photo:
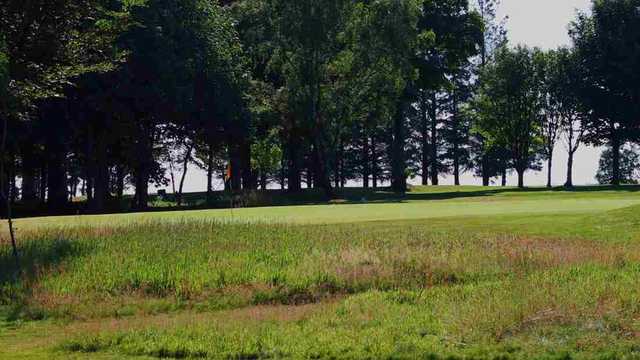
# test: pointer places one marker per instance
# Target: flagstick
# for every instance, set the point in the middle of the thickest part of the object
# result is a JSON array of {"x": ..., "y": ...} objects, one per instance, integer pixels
[
  {"x": 231, "y": 203},
  {"x": 229, "y": 185}
]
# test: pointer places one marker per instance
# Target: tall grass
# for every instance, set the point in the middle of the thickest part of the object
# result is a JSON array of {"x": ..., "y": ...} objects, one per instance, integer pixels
[
  {"x": 587, "y": 312},
  {"x": 482, "y": 287},
  {"x": 213, "y": 265}
]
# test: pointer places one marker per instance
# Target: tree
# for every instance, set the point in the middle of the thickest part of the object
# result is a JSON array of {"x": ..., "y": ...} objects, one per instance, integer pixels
[
  {"x": 509, "y": 101},
  {"x": 184, "y": 76},
  {"x": 4, "y": 95},
  {"x": 551, "y": 119},
  {"x": 266, "y": 158},
  {"x": 562, "y": 81},
  {"x": 46, "y": 56},
  {"x": 307, "y": 31},
  {"x": 608, "y": 49},
  {"x": 458, "y": 127},
  {"x": 629, "y": 165},
  {"x": 494, "y": 36},
  {"x": 442, "y": 63},
  {"x": 377, "y": 63}
]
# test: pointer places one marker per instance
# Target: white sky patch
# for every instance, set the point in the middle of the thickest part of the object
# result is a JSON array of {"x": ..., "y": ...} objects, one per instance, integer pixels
[{"x": 541, "y": 23}]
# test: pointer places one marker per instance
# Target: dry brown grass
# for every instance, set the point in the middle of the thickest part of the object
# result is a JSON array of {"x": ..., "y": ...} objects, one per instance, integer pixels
[{"x": 544, "y": 253}]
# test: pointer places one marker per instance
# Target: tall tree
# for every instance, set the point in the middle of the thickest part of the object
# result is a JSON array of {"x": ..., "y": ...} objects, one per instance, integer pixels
[
  {"x": 377, "y": 60},
  {"x": 457, "y": 37},
  {"x": 494, "y": 36},
  {"x": 551, "y": 119},
  {"x": 629, "y": 165},
  {"x": 510, "y": 101},
  {"x": 608, "y": 46},
  {"x": 4, "y": 133},
  {"x": 308, "y": 30},
  {"x": 562, "y": 81}
]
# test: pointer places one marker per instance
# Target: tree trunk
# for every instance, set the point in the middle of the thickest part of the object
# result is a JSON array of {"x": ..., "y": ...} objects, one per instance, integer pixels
[
  {"x": 374, "y": 163},
  {"x": 12, "y": 178},
  {"x": 504, "y": 177},
  {"x": 309, "y": 177},
  {"x": 141, "y": 198},
  {"x": 101, "y": 185},
  {"x": 569, "y": 183},
  {"x": 42, "y": 183},
  {"x": 549, "y": 170},
  {"x": 210, "y": 170},
  {"x": 91, "y": 164},
  {"x": 5, "y": 196},
  {"x": 337, "y": 165},
  {"x": 73, "y": 192},
  {"x": 456, "y": 169},
  {"x": 424, "y": 137},
  {"x": 456, "y": 145},
  {"x": 282, "y": 173},
  {"x": 185, "y": 168},
  {"x": 236, "y": 167},
  {"x": 521, "y": 172},
  {"x": 434, "y": 140},
  {"x": 484, "y": 163},
  {"x": 248, "y": 180},
  {"x": 322, "y": 176},
  {"x": 144, "y": 164},
  {"x": 366, "y": 167},
  {"x": 57, "y": 178},
  {"x": 485, "y": 170},
  {"x": 293, "y": 151},
  {"x": 615, "y": 148},
  {"x": 120, "y": 175},
  {"x": 89, "y": 189},
  {"x": 343, "y": 179},
  {"x": 399, "y": 181},
  {"x": 29, "y": 170},
  {"x": 172, "y": 175}
]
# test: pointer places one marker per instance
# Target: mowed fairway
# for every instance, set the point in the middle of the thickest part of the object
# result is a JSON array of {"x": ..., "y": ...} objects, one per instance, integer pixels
[
  {"x": 422, "y": 203},
  {"x": 446, "y": 273}
]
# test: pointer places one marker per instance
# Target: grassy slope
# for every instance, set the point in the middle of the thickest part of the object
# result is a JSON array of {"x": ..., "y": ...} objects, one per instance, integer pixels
[
  {"x": 517, "y": 274},
  {"x": 422, "y": 203}
]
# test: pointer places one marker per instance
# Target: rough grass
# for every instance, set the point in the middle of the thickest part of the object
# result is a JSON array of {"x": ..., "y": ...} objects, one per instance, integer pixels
[{"x": 519, "y": 285}]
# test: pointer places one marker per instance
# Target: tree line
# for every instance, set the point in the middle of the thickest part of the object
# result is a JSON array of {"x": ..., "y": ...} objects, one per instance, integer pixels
[{"x": 102, "y": 97}]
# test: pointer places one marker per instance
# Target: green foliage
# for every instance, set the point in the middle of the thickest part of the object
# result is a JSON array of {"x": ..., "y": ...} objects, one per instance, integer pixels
[
  {"x": 4, "y": 69},
  {"x": 267, "y": 154},
  {"x": 380, "y": 38},
  {"x": 608, "y": 46},
  {"x": 47, "y": 54},
  {"x": 455, "y": 35},
  {"x": 629, "y": 165},
  {"x": 510, "y": 101}
]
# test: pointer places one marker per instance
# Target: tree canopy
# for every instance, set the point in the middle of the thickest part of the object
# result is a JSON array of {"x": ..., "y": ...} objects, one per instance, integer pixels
[{"x": 102, "y": 99}]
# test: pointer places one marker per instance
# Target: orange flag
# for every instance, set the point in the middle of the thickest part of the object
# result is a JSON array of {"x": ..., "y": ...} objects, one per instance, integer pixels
[{"x": 227, "y": 176}]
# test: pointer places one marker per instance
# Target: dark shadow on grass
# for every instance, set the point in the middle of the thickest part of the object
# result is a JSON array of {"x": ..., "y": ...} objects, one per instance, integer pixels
[
  {"x": 37, "y": 257},
  {"x": 383, "y": 195},
  {"x": 264, "y": 198}
]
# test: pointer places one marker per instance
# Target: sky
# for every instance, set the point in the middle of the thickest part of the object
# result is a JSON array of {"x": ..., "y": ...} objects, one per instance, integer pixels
[{"x": 541, "y": 23}]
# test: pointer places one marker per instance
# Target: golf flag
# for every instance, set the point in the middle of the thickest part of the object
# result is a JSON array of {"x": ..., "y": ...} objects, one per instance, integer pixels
[{"x": 227, "y": 175}]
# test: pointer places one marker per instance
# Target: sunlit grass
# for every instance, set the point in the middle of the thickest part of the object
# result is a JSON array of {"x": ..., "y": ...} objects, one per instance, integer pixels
[
  {"x": 420, "y": 204},
  {"x": 511, "y": 284}
]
